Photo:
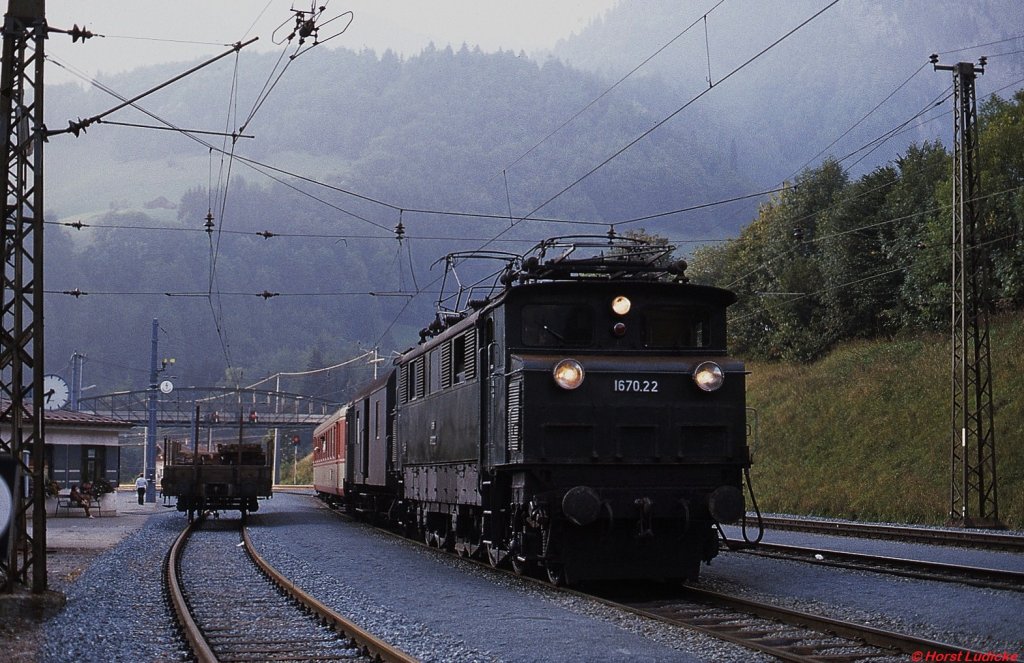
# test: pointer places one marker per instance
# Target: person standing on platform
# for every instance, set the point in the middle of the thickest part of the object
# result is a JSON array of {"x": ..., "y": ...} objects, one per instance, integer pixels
[{"x": 140, "y": 488}]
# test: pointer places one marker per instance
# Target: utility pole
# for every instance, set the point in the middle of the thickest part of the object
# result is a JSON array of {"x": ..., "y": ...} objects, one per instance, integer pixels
[
  {"x": 77, "y": 360},
  {"x": 21, "y": 294},
  {"x": 151, "y": 397},
  {"x": 973, "y": 500}
]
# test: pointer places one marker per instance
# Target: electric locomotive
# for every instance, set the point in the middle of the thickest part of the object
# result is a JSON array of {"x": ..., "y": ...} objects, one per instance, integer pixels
[{"x": 582, "y": 419}]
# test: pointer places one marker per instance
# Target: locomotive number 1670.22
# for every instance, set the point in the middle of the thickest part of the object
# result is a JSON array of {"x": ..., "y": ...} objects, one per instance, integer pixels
[{"x": 639, "y": 386}]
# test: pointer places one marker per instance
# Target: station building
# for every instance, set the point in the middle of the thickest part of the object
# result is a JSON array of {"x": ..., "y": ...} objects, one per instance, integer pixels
[{"x": 82, "y": 447}]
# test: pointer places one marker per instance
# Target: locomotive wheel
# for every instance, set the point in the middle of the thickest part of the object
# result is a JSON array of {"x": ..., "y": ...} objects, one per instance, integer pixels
[
  {"x": 496, "y": 556},
  {"x": 556, "y": 574},
  {"x": 520, "y": 565}
]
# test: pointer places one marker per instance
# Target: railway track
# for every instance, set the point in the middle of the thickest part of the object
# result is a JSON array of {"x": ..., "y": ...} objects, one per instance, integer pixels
[
  {"x": 232, "y": 605},
  {"x": 786, "y": 634},
  {"x": 910, "y": 568},
  {"x": 985, "y": 540}
]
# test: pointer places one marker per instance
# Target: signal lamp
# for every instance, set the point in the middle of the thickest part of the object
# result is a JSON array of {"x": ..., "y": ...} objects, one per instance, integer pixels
[
  {"x": 619, "y": 329},
  {"x": 621, "y": 305}
]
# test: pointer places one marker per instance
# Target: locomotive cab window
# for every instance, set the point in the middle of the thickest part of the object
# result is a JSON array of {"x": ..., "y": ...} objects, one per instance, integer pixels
[
  {"x": 557, "y": 325},
  {"x": 676, "y": 327}
]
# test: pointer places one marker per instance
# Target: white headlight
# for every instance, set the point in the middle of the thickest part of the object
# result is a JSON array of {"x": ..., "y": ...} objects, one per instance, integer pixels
[
  {"x": 709, "y": 376},
  {"x": 568, "y": 374}
]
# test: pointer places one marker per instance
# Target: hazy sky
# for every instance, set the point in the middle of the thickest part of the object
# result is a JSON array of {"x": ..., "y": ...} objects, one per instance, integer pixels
[{"x": 140, "y": 32}]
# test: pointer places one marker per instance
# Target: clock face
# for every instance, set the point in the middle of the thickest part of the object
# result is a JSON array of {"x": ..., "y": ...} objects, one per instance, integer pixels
[
  {"x": 55, "y": 392},
  {"x": 166, "y": 386}
]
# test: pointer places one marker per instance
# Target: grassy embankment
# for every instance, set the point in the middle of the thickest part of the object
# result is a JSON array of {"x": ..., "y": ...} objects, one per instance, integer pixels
[{"x": 865, "y": 433}]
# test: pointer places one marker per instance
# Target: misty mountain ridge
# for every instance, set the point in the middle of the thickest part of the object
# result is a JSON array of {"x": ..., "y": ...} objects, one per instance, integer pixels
[{"x": 448, "y": 130}]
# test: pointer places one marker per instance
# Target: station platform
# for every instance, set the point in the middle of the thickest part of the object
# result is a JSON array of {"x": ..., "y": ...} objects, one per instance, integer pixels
[{"x": 73, "y": 530}]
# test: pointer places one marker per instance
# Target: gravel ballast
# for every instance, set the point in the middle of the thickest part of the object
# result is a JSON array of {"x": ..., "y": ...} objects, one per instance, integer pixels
[{"x": 438, "y": 607}]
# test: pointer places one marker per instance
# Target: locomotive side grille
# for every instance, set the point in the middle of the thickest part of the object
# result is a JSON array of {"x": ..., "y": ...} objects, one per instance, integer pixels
[
  {"x": 515, "y": 394},
  {"x": 403, "y": 381},
  {"x": 396, "y": 447},
  {"x": 470, "y": 354},
  {"x": 446, "y": 365},
  {"x": 420, "y": 366}
]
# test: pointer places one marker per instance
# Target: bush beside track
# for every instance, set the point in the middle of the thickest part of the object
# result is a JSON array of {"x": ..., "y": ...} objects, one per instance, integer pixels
[{"x": 865, "y": 433}]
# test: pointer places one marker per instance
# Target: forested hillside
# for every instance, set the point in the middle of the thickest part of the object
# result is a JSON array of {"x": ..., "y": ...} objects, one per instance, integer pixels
[
  {"x": 443, "y": 131},
  {"x": 834, "y": 258},
  {"x": 276, "y": 250}
]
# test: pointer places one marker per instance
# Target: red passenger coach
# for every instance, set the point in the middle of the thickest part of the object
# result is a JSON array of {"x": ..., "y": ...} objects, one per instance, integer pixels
[{"x": 329, "y": 457}]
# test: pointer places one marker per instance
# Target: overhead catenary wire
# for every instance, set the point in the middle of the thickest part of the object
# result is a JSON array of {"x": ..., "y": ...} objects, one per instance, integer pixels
[
  {"x": 440, "y": 212},
  {"x": 616, "y": 84},
  {"x": 847, "y": 284},
  {"x": 676, "y": 112}
]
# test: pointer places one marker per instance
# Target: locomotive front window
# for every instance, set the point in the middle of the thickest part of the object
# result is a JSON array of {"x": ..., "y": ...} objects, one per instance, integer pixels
[
  {"x": 557, "y": 325},
  {"x": 676, "y": 327}
]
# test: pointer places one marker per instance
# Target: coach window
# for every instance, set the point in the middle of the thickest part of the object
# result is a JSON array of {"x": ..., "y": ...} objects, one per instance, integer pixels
[
  {"x": 459, "y": 359},
  {"x": 434, "y": 362}
]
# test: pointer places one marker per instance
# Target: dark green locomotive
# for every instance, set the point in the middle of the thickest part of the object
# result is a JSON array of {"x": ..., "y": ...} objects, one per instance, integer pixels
[{"x": 584, "y": 419}]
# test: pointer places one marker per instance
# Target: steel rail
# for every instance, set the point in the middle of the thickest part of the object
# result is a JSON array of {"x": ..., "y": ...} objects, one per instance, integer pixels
[
  {"x": 911, "y": 568},
  {"x": 200, "y": 648},
  {"x": 756, "y": 639},
  {"x": 371, "y": 645},
  {"x": 873, "y": 636},
  {"x": 945, "y": 537},
  {"x": 786, "y": 648}
]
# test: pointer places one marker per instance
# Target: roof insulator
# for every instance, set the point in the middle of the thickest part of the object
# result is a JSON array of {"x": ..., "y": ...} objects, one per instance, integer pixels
[{"x": 209, "y": 222}]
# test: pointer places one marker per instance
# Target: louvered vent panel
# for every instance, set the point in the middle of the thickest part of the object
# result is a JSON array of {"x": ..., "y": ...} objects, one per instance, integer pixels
[
  {"x": 446, "y": 365},
  {"x": 515, "y": 406},
  {"x": 403, "y": 383},
  {"x": 471, "y": 354},
  {"x": 421, "y": 377}
]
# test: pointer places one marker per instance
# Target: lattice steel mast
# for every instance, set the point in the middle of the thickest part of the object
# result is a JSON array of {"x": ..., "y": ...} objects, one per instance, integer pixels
[
  {"x": 973, "y": 500},
  {"x": 21, "y": 290}
]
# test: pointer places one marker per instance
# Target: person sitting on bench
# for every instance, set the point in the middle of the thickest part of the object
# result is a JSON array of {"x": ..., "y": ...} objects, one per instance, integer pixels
[{"x": 78, "y": 499}]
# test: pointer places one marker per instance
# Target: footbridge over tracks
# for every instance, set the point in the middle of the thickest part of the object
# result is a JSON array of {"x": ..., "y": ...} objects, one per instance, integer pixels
[{"x": 218, "y": 407}]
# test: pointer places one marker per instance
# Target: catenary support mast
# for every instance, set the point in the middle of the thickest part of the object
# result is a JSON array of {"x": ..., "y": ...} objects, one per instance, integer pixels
[
  {"x": 21, "y": 291},
  {"x": 973, "y": 500}
]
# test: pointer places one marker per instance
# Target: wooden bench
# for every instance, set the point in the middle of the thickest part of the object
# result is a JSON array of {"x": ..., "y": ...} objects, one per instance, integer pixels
[{"x": 65, "y": 502}]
